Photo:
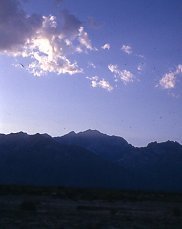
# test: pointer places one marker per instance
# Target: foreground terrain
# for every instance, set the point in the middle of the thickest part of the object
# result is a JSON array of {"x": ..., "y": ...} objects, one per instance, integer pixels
[{"x": 41, "y": 207}]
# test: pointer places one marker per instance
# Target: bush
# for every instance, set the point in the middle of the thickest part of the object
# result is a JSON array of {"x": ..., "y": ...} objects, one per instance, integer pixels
[
  {"x": 177, "y": 212},
  {"x": 28, "y": 206}
]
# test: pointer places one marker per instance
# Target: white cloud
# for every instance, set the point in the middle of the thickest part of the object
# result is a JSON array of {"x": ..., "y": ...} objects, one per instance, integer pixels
[
  {"x": 68, "y": 42},
  {"x": 58, "y": 65},
  {"x": 140, "y": 67},
  {"x": 106, "y": 46},
  {"x": 96, "y": 82},
  {"x": 49, "y": 51},
  {"x": 84, "y": 39},
  {"x": 178, "y": 69},
  {"x": 124, "y": 75},
  {"x": 141, "y": 56},
  {"x": 43, "y": 40},
  {"x": 127, "y": 49},
  {"x": 168, "y": 81},
  {"x": 91, "y": 64}
]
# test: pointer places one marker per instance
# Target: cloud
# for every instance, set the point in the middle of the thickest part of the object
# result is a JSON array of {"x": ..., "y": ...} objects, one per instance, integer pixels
[
  {"x": 96, "y": 82},
  {"x": 124, "y": 75},
  {"x": 168, "y": 81},
  {"x": 46, "y": 41},
  {"x": 71, "y": 24},
  {"x": 179, "y": 69},
  {"x": 140, "y": 67},
  {"x": 84, "y": 39},
  {"x": 106, "y": 46},
  {"x": 91, "y": 64},
  {"x": 16, "y": 26},
  {"x": 92, "y": 23},
  {"x": 127, "y": 49},
  {"x": 49, "y": 49}
]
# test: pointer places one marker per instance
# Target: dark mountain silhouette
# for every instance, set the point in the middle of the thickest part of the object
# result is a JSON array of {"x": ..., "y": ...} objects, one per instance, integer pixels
[
  {"x": 40, "y": 160},
  {"x": 89, "y": 159},
  {"x": 108, "y": 147},
  {"x": 155, "y": 167}
]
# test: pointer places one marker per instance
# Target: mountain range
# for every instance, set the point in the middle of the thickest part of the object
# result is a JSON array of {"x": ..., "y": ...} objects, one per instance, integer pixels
[{"x": 89, "y": 159}]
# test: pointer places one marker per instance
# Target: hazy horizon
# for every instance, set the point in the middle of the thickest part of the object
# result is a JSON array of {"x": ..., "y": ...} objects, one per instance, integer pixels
[{"x": 31, "y": 134}]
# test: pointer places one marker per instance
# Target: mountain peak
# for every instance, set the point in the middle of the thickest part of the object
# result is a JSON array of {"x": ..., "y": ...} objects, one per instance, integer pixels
[
  {"x": 18, "y": 134},
  {"x": 72, "y": 133},
  {"x": 90, "y": 132},
  {"x": 167, "y": 143},
  {"x": 46, "y": 135},
  {"x": 152, "y": 144}
]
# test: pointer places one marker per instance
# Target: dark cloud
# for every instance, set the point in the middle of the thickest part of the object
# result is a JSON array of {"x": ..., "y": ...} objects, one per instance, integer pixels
[
  {"x": 15, "y": 25},
  {"x": 71, "y": 24},
  {"x": 93, "y": 23}
]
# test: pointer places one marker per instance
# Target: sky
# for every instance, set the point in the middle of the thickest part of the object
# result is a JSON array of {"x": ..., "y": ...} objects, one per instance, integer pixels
[{"x": 110, "y": 65}]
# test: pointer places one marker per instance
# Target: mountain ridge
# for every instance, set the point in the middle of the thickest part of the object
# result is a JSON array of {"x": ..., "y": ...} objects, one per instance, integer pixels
[
  {"x": 83, "y": 133},
  {"x": 89, "y": 159}
]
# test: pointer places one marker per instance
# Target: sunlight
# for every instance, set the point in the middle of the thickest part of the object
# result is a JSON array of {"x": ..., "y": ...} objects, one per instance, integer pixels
[{"x": 44, "y": 46}]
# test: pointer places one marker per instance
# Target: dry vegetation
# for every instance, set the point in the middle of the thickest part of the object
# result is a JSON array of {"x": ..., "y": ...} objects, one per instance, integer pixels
[{"x": 33, "y": 207}]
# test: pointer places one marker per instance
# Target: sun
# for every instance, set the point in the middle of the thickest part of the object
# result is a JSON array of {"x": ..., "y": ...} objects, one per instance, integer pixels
[{"x": 44, "y": 46}]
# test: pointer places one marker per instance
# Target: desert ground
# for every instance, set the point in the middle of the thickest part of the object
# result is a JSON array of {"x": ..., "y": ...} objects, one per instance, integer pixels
[{"x": 33, "y": 207}]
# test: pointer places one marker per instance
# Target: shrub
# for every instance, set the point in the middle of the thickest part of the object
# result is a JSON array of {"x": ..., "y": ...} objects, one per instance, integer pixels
[
  {"x": 177, "y": 212},
  {"x": 28, "y": 206}
]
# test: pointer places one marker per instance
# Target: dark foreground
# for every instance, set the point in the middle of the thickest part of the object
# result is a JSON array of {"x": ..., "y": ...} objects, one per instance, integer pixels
[{"x": 32, "y": 207}]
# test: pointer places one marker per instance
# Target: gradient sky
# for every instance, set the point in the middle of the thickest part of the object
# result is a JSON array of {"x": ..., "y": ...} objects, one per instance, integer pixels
[{"x": 110, "y": 65}]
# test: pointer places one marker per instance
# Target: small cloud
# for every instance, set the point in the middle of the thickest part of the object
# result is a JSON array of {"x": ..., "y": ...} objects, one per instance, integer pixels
[
  {"x": 106, "y": 46},
  {"x": 68, "y": 42},
  {"x": 91, "y": 64},
  {"x": 124, "y": 75},
  {"x": 78, "y": 49},
  {"x": 176, "y": 96},
  {"x": 179, "y": 69},
  {"x": 127, "y": 49},
  {"x": 140, "y": 56},
  {"x": 84, "y": 39},
  {"x": 168, "y": 81},
  {"x": 140, "y": 67},
  {"x": 96, "y": 82}
]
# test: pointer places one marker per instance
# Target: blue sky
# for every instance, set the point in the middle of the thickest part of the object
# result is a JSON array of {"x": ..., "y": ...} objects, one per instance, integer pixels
[{"x": 114, "y": 66}]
